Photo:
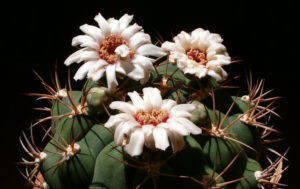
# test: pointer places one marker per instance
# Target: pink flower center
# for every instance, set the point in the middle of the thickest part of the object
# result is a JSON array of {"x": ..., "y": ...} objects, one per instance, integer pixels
[
  {"x": 108, "y": 47},
  {"x": 153, "y": 117},
  {"x": 197, "y": 55}
]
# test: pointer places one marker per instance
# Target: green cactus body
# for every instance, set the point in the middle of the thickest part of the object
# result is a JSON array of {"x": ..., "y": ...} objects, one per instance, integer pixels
[{"x": 101, "y": 164}]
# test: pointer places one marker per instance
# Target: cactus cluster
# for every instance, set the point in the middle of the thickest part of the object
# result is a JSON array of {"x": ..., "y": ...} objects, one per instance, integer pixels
[{"x": 212, "y": 140}]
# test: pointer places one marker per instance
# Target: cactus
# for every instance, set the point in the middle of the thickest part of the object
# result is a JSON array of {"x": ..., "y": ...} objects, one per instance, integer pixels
[{"x": 217, "y": 140}]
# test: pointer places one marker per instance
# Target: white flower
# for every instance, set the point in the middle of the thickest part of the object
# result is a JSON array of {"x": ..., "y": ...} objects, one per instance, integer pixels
[
  {"x": 151, "y": 121},
  {"x": 114, "y": 46},
  {"x": 200, "y": 53}
]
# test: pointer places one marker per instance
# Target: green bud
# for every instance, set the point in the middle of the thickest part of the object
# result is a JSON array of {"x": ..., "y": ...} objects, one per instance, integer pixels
[
  {"x": 96, "y": 97},
  {"x": 199, "y": 115}
]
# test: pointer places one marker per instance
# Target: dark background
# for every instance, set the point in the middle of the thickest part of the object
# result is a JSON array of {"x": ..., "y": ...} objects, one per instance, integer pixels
[{"x": 38, "y": 35}]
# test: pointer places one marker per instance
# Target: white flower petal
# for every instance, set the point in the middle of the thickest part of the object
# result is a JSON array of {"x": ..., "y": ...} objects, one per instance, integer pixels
[
  {"x": 136, "y": 100},
  {"x": 190, "y": 70},
  {"x": 111, "y": 77},
  {"x": 137, "y": 73},
  {"x": 161, "y": 138},
  {"x": 130, "y": 31},
  {"x": 202, "y": 73},
  {"x": 217, "y": 73},
  {"x": 87, "y": 55},
  {"x": 81, "y": 55},
  {"x": 75, "y": 57},
  {"x": 123, "y": 107},
  {"x": 152, "y": 98},
  {"x": 139, "y": 39},
  {"x": 168, "y": 104},
  {"x": 184, "y": 107},
  {"x": 183, "y": 39},
  {"x": 102, "y": 24},
  {"x": 92, "y": 31},
  {"x": 115, "y": 27},
  {"x": 125, "y": 20},
  {"x": 196, "y": 33},
  {"x": 85, "y": 41},
  {"x": 213, "y": 63},
  {"x": 80, "y": 39},
  {"x": 182, "y": 110},
  {"x": 215, "y": 38},
  {"x": 122, "y": 129},
  {"x": 97, "y": 70},
  {"x": 217, "y": 48},
  {"x": 173, "y": 57},
  {"x": 169, "y": 46},
  {"x": 149, "y": 139},
  {"x": 123, "y": 51},
  {"x": 146, "y": 77},
  {"x": 100, "y": 64},
  {"x": 150, "y": 50},
  {"x": 190, "y": 126},
  {"x": 204, "y": 35},
  {"x": 96, "y": 75},
  {"x": 219, "y": 60},
  {"x": 83, "y": 70},
  {"x": 143, "y": 61},
  {"x": 180, "y": 113},
  {"x": 115, "y": 120},
  {"x": 177, "y": 141},
  {"x": 119, "y": 68},
  {"x": 148, "y": 130},
  {"x": 136, "y": 143},
  {"x": 124, "y": 67},
  {"x": 224, "y": 73},
  {"x": 177, "y": 127}
]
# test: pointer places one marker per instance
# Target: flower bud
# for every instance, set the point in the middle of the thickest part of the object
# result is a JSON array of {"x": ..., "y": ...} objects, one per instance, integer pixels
[
  {"x": 199, "y": 115},
  {"x": 96, "y": 97}
]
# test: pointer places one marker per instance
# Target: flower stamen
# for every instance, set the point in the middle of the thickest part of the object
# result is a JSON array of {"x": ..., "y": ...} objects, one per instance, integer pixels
[
  {"x": 154, "y": 117},
  {"x": 108, "y": 47},
  {"x": 197, "y": 55}
]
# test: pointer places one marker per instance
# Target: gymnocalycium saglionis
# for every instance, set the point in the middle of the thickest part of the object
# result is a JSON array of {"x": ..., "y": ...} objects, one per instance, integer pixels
[{"x": 152, "y": 116}]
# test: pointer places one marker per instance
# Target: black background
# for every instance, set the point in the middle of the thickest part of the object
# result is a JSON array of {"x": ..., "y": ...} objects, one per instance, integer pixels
[{"x": 38, "y": 35}]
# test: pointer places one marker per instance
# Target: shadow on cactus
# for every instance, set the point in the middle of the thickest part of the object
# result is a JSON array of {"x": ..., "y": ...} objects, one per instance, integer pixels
[{"x": 152, "y": 117}]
